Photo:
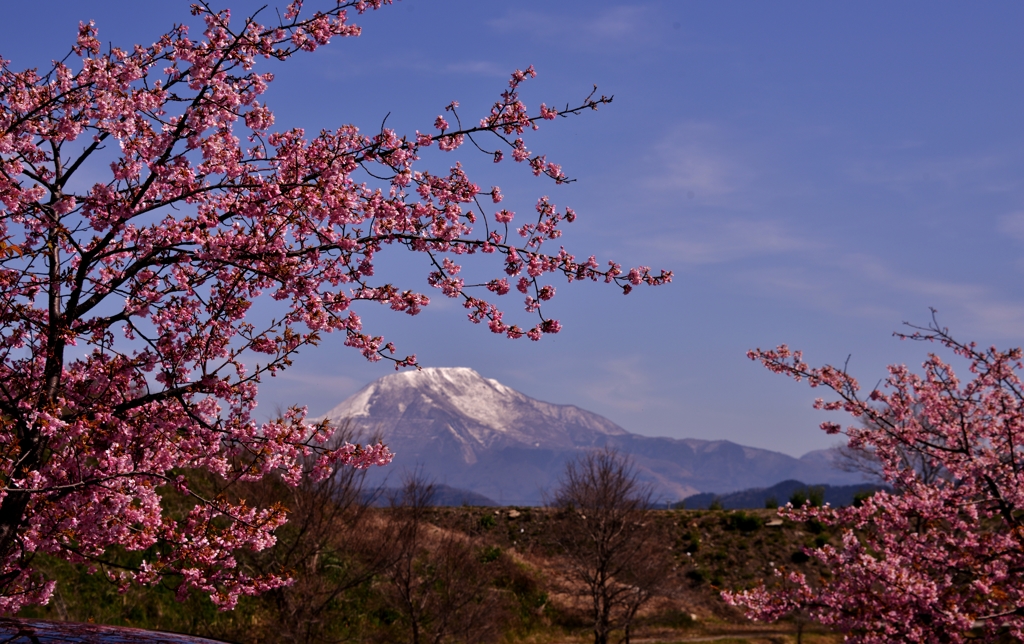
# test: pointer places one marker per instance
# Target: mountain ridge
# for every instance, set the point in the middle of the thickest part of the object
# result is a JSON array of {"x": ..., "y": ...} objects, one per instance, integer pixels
[
  {"x": 779, "y": 494},
  {"x": 474, "y": 433}
]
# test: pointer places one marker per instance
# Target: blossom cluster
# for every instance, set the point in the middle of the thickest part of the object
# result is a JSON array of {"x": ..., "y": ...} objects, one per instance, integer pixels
[
  {"x": 128, "y": 352},
  {"x": 939, "y": 557}
]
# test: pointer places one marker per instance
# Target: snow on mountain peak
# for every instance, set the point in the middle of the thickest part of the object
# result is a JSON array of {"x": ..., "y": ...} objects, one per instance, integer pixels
[{"x": 486, "y": 409}]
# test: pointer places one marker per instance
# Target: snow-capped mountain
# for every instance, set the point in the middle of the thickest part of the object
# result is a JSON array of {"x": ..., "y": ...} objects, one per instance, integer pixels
[
  {"x": 460, "y": 410},
  {"x": 474, "y": 433}
]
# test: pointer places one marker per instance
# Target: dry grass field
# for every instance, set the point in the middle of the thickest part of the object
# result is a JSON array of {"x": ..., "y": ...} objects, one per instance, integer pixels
[{"x": 510, "y": 559}]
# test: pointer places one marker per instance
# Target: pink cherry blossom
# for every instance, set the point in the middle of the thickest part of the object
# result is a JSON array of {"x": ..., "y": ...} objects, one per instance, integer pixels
[
  {"x": 939, "y": 557},
  {"x": 129, "y": 352}
]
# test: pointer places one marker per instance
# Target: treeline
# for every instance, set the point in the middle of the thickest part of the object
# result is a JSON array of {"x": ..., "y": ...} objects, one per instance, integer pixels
[
  {"x": 359, "y": 573},
  {"x": 397, "y": 568},
  {"x": 408, "y": 571},
  {"x": 790, "y": 491}
]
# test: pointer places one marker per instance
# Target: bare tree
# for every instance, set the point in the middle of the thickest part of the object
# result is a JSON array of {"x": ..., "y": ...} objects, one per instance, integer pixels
[
  {"x": 437, "y": 581},
  {"x": 608, "y": 549},
  {"x": 646, "y": 574},
  {"x": 331, "y": 544}
]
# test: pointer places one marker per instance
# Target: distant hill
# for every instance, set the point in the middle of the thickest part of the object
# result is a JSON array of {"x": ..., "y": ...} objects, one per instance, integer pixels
[
  {"x": 444, "y": 496},
  {"x": 756, "y": 498},
  {"x": 473, "y": 433}
]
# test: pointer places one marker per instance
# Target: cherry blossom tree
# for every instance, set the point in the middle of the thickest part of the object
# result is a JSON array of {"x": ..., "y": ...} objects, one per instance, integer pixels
[
  {"x": 941, "y": 558},
  {"x": 129, "y": 353}
]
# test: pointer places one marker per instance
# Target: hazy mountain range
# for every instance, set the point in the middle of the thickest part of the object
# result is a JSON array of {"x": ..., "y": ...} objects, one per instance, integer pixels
[
  {"x": 469, "y": 432},
  {"x": 779, "y": 494}
]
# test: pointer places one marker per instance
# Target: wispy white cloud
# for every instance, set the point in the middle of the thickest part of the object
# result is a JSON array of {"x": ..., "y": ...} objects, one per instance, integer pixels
[
  {"x": 864, "y": 286},
  {"x": 607, "y": 30},
  {"x": 617, "y": 23},
  {"x": 623, "y": 384},
  {"x": 693, "y": 170},
  {"x": 338, "y": 66},
  {"x": 722, "y": 240},
  {"x": 696, "y": 161},
  {"x": 980, "y": 172},
  {"x": 326, "y": 381},
  {"x": 719, "y": 183},
  {"x": 476, "y": 68},
  {"x": 817, "y": 290},
  {"x": 301, "y": 385},
  {"x": 1012, "y": 224},
  {"x": 614, "y": 25}
]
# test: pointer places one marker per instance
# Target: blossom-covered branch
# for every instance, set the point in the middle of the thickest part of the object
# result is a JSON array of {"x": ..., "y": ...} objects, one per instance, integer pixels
[
  {"x": 129, "y": 354},
  {"x": 941, "y": 557}
]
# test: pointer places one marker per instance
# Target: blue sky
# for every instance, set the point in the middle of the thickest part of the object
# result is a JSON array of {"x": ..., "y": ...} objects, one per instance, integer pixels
[{"x": 814, "y": 173}]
